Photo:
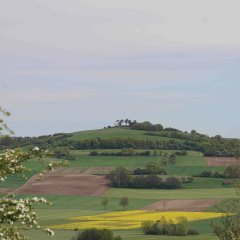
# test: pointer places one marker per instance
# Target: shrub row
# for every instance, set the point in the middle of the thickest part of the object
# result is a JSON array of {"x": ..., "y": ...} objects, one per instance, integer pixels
[
  {"x": 168, "y": 227},
  {"x": 96, "y": 234},
  {"x": 121, "y": 178},
  {"x": 209, "y": 174},
  {"x": 148, "y": 171},
  {"x": 120, "y": 154}
]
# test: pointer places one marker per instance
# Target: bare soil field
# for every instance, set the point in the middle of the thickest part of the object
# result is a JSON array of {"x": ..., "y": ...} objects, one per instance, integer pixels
[
  {"x": 66, "y": 181},
  {"x": 6, "y": 190},
  {"x": 222, "y": 161},
  {"x": 194, "y": 205}
]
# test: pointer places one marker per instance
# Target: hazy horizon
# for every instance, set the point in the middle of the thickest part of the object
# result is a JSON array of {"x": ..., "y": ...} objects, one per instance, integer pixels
[{"x": 78, "y": 65}]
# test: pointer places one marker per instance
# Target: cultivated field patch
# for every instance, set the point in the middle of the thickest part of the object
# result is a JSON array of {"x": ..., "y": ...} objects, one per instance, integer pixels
[
  {"x": 6, "y": 190},
  {"x": 222, "y": 161},
  {"x": 130, "y": 219},
  {"x": 189, "y": 205},
  {"x": 69, "y": 181}
]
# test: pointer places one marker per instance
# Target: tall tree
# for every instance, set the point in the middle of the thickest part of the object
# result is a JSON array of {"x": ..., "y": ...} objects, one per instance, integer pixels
[
  {"x": 105, "y": 203},
  {"x": 124, "y": 202}
]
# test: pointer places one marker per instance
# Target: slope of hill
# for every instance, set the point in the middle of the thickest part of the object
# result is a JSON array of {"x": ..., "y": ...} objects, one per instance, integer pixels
[{"x": 125, "y": 137}]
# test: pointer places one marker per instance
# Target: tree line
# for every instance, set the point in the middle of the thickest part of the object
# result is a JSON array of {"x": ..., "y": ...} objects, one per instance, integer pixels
[
  {"x": 168, "y": 227},
  {"x": 123, "y": 153},
  {"x": 122, "y": 178},
  {"x": 211, "y": 147}
]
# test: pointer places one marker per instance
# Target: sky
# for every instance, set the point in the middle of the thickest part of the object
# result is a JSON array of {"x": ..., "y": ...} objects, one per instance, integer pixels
[{"x": 71, "y": 65}]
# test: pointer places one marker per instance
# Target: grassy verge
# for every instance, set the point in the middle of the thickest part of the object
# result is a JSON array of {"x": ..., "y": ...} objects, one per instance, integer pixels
[{"x": 214, "y": 193}]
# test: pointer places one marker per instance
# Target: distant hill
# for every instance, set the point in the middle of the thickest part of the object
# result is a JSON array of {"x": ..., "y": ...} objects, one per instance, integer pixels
[{"x": 118, "y": 137}]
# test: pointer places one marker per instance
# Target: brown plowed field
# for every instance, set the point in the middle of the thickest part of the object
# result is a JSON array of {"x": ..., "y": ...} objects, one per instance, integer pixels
[
  {"x": 6, "y": 190},
  {"x": 70, "y": 181},
  {"x": 194, "y": 205},
  {"x": 222, "y": 161}
]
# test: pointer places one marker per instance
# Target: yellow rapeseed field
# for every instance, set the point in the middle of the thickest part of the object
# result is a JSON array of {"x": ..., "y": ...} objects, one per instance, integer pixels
[{"x": 130, "y": 219}]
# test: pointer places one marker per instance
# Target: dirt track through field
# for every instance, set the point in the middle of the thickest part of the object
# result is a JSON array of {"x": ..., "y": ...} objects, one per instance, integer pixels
[
  {"x": 222, "y": 161},
  {"x": 194, "y": 205},
  {"x": 68, "y": 181}
]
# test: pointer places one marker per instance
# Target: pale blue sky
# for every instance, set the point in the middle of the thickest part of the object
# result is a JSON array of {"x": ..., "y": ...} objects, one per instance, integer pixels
[{"x": 75, "y": 64}]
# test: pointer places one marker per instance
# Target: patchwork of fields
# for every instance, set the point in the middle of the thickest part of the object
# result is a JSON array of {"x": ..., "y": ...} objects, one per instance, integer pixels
[{"x": 77, "y": 193}]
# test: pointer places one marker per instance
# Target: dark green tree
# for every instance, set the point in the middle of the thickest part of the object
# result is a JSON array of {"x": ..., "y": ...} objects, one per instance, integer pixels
[
  {"x": 105, "y": 203},
  {"x": 124, "y": 202}
]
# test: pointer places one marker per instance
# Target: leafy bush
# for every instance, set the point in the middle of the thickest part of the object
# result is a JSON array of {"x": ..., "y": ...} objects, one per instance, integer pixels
[
  {"x": 147, "y": 126},
  {"x": 172, "y": 183},
  {"x": 218, "y": 175},
  {"x": 187, "y": 179},
  {"x": 63, "y": 153},
  {"x": 96, "y": 234},
  {"x": 181, "y": 153},
  {"x": 147, "y": 227},
  {"x": 144, "y": 171},
  {"x": 154, "y": 167},
  {"x": 166, "y": 227},
  {"x": 94, "y": 153},
  {"x": 124, "y": 152},
  {"x": 181, "y": 227},
  {"x": 172, "y": 159},
  {"x": 124, "y": 202},
  {"x": 232, "y": 172},
  {"x": 193, "y": 232},
  {"x": 209, "y": 174},
  {"x": 120, "y": 177},
  {"x": 151, "y": 167}
]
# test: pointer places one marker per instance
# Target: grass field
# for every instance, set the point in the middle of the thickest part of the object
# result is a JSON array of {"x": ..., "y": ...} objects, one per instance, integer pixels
[
  {"x": 65, "y": 207},
  {"x": 200, "y": 183},
  {"x": 83, "y": 158},
  {"x": 117, "y": 132},
  {"x": 173, "y": 194}
]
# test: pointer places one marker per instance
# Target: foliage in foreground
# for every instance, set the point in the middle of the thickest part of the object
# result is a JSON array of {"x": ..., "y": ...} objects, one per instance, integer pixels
[
  {"x": 229, "y": 227},
  {"x": 17, "y": 215}
]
